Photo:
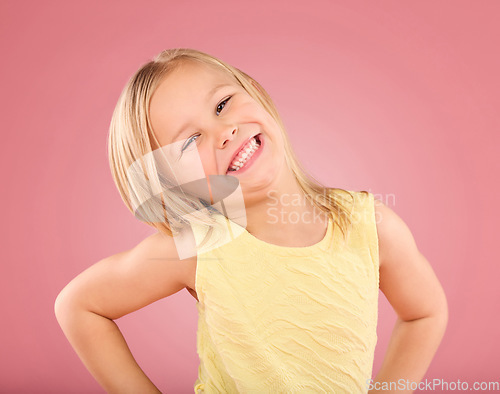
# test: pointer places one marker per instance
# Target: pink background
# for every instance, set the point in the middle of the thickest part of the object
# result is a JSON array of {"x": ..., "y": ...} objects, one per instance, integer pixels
[{"x": 398, "y": 98}]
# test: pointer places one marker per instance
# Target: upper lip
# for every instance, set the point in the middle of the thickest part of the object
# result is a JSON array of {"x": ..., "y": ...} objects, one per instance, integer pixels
[{"x": 238, "y": 151}]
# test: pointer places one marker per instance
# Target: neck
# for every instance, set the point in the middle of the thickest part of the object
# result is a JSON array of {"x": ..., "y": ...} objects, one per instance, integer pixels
[{"x": 284, "y": 216}]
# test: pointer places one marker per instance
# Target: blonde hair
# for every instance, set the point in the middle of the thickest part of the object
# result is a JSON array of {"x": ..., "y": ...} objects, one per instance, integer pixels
[{"x": 131, "y": 138}]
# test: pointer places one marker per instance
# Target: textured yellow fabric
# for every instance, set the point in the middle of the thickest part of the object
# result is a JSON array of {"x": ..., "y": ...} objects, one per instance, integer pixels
[{"x": 274, "y": 319}]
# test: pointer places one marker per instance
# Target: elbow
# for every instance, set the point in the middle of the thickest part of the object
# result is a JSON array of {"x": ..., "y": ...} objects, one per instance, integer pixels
[
  {"x": 438, "y": 314},
  {"x": 441, "y": 313},
  {"x": 445, "y": 315},
  {"x": 64, "y": 307},
  {"x": 442, "y": 310},
  {"x": 439, "y": 320},
  {"x": 61, "y": 306}
]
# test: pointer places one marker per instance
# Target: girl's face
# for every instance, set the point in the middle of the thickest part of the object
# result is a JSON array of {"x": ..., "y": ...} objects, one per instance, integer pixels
[{"x": 201, "y": 114}]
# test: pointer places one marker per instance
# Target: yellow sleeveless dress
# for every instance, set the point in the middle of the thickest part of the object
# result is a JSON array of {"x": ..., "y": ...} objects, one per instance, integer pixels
[{"x": 275, "y": 319}]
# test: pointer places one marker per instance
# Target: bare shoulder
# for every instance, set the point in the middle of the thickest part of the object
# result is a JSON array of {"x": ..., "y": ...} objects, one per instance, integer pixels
[
  {"x": 407, "y": 279},
  {"x": 129, "y": 280},
  {"x": 156, "y": 246},
  {"x": 161, "y": 248},
  {"x": 393, "y": 233}
]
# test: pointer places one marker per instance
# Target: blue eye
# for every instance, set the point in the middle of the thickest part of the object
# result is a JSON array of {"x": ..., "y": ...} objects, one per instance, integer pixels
[
  {"x": 222, "y": 105},
  {"x": 188, "y": 142},
  {"x": 219, "y": 109}
]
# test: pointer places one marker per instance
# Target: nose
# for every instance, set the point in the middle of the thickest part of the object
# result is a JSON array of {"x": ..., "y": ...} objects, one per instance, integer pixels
[{"x": 227, "y": 135}]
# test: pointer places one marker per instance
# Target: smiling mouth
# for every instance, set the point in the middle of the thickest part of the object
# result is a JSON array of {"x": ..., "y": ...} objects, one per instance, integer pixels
[{"x": 245, "y": 154}]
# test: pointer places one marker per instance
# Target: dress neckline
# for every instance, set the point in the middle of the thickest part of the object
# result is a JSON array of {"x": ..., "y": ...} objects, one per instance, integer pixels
[{"x": 321, "y": 246}]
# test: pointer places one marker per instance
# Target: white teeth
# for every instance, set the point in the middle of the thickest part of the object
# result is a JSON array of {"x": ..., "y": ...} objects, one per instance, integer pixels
[{"x": 242, "y": 157}]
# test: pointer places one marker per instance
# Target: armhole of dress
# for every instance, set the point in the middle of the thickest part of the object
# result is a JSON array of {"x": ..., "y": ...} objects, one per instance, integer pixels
[
  {"x": 198, "y": 281},
  {"x": 199, "y": 277},
  {"x": 372, "y": 234}
]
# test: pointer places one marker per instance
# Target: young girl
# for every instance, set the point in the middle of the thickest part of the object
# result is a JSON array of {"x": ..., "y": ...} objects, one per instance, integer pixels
[{"x": 285, "y": 271}]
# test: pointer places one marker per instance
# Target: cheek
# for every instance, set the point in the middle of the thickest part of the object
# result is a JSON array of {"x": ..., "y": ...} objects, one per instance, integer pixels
[
  {"x": 208, "y": 162},
  {"x": 190, "y": 166}
]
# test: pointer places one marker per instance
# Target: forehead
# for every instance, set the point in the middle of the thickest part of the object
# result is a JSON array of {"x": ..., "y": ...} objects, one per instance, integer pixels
[{"x": 181, "y": 93}]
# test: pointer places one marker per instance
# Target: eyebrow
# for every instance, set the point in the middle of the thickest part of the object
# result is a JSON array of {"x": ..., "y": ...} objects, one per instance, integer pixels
[
  {"x": 209, "y": 95},
  {"x": 215, "y": 88}
]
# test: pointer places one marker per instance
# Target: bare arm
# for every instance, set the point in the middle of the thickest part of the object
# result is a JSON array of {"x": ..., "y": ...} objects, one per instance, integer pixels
[
  {"x": 108, "y": 290},
  {"x": 412, "y": 288}
]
